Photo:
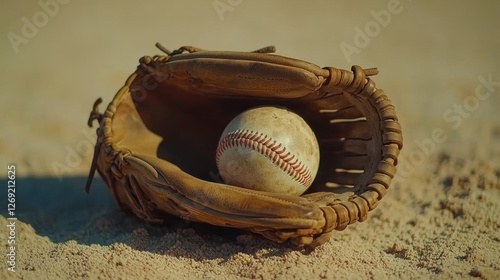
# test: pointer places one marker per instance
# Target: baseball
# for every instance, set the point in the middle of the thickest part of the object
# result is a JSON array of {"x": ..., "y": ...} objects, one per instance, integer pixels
[{"x": 269, "y": 149}]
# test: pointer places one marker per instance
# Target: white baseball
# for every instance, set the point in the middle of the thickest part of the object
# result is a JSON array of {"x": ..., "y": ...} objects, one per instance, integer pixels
[{"x": 268, "y": 149}]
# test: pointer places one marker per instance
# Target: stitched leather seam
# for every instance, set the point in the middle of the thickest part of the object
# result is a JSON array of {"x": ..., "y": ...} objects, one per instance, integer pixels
[{"x": 268, "y": 147}]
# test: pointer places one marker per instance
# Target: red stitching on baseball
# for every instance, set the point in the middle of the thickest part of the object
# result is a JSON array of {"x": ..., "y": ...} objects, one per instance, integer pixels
[{"x": 268, "y": 147}]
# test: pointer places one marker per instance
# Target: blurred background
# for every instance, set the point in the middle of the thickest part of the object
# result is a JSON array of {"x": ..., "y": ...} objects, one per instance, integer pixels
[{"x": 438, "y": 63}]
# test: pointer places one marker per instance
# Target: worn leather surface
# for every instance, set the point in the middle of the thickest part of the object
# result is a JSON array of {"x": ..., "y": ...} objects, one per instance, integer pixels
[{"x": 157, "y": 141}]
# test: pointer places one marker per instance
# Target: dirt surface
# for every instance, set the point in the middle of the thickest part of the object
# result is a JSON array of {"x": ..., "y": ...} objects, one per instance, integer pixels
[{"x": 438, "y": 63}]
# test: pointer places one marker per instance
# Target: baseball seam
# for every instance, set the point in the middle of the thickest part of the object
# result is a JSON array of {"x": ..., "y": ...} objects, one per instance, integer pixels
[{"x": 268, "y": 147}]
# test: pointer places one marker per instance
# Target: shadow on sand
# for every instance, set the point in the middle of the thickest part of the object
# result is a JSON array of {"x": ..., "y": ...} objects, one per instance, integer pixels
[{"x": 61, "y": 211}]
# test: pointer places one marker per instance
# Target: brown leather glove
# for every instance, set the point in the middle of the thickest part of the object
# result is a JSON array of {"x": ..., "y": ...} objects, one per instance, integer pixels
[{"x": 157, "y": 140}]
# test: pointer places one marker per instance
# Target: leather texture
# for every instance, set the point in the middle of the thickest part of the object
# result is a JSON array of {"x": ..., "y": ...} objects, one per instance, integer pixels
[{"x": 157, "y": 140}]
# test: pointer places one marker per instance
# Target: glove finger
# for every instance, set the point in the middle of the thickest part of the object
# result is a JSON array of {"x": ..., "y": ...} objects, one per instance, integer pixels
[{"x": 219, "y": 204}]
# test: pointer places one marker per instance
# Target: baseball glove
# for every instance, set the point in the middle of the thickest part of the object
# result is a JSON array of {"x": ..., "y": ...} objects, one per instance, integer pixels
[{"x": 158, "y": 136}]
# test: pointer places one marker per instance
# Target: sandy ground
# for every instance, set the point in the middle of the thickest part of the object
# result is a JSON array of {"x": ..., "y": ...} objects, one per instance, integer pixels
[{"x": 438, "y": 63}]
